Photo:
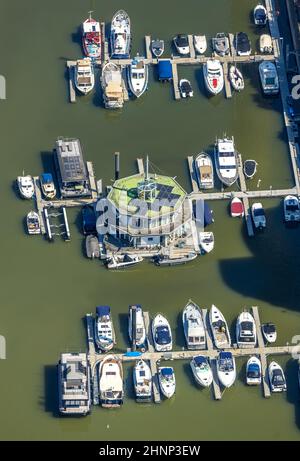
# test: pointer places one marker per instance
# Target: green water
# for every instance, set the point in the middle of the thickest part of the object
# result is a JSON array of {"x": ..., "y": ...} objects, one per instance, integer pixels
[{"x": 46, "y": 289}]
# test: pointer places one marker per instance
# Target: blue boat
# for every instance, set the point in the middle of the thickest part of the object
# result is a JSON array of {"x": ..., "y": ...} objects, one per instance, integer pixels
[
  {"x": 165, "y": 73},
  {"x": 47, "y": 185},
  {"x": 203, "y": 214}
]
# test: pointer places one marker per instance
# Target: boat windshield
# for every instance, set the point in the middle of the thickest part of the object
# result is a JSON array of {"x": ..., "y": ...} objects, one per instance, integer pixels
[
  {"x": 292, "y": 207},
  {"x": 162, "y": 335},
  {"x": 253, "y": 371},
  {"x": 270, "y": 328},
  {"x": 226, "y": 154},
  {"x": 278, "y": 379},
  {"x": 270, "y": 80},
  {"x": 259, "y": 212}
]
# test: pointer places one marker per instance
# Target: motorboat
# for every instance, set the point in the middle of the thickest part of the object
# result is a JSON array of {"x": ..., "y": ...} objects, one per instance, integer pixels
[
  {"x": 237, "y": 208},
  {"x": 226, "y": 369},
  {"x": 242, "y": 44},
  {"x": 213, "y": 76},
  {"x": 236, "y": 78},
  {"x": 91, "y": 38},
  {"x": 253, "y": 371},
  {"x": 104, "y": 329},
  {"x": 269, "y": 332},
  {"x": 226, "y": 159},
  {"x": 265, "y": 44},
  {"x": 193, "y": 326},
  {"x": 200, "y": 43},
  {"x": 219, "y": 328},
  {"x": 258, "y": 216},
  {"x": 137, "y": 75},
  {"x": 204, "y": 171},
  {"x": 277, "y": 378},
  {"x": 111, "y": 389},
  {"x": 33, "y": 223},
  {"x": 123, "y": 261},
  {"x": 89, "y": 220},
  {"x": 136, "y": 326},
  {"x": 269, "y": 78},
  {"x": 246, "y": 330},
  {"x": 157, "y": 47},
  {"x": 120, "y": 36},
  {"x": 220, "y": 44},
  {"x": 92, "y": 246},
  {"x": 162, "y": 335},
  {"x": 250, "y": 167},
  {"x": 291, "y": 207},
  {"x": 47, "y": 186},
  {"x": 25, "y": 186},
  {"x": 201, "y": 370},
  {"x": 111, "y": 81},
  {"x": 84, "y": 76},
  {"x": 167, "y": 382},
  {"x": 142, "y": 381},
  {"x": 181, "y": 43},
  {"x": 185, "y": 88},
  {"x": 260, "y": 15},
  {"x": 206, "y": 241},
  {"x": 166, "y": 261}
]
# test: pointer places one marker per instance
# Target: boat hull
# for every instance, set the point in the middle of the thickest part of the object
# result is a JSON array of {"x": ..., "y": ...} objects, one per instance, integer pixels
[
  {"x": 221, "y": 341},
  {"x": 191, "y": 310},
  {"x": 120, "y": 25},
  {"x": 161, "y": 321}
]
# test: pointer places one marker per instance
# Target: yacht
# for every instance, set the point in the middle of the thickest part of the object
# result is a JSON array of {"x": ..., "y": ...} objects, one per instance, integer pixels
[
  {"x": 236, "y": 78},
  {"x": 185, "y": 88},
  {"x": 220, "y": 44},
  {"x": 291, "y": 208},
  {"x": 142, "y": 381},
  {"x": 242, "y": 44},
  {"x": 91, "y": 37},
  {"x": 162, "y": 335},
  {"x": 276, "y": 377},
  {"x": 237, "y": 208},
  {"x": 226, "y": 369},
  {"x": 226, "y": 160},
  {"x": 193, "y": 326},
  {"x": 219, "y": 328},
  {"x": 201, "y": 370},
  {"x": 157, "y": 47},
  {"x": 213, "y": 76},
  {"x": 250, "y": 167},
  {"x": 245, "y": 330},
  {"x": 200, "y": 43},
  {"x": 136, "y": 326},
  {"x": 84, "y": 76},
  {"x": 269, "y": 332},
  {"x": 269, "y": 77},
  {"x": 253, "y": 371},
  {"x": 111, "y": 390},
  {"x": 206, "y": 241},
  {"x": 47, "y": 186},
  {"x": 167, "y": 382},
  {"x": 204, "y": 171},
  {"x": 25, "y": 186},
  {"x": 120, "y": 37},
  {"x": 123, "y": 261},
  {"x": 258, "y": 216},
  {"x": 181, "y": 43},
  {"x": 33, "y": 223},
  {"x": 137, "y": 76},
  {"x": 265, "y": 44},
  {"x": 260, "y": 16},
  {"x": 104, "y": 329},
  {"x": 111, "y": 81}
]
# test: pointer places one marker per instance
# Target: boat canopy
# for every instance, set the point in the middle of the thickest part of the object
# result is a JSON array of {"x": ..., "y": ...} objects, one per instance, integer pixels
[
  {"x": 225, "y": 355},
  {"x": 133, "y": 354},
  {"x": 199, "y": 360},
  {"x": 167, "y": 371},
  {"x": 47, "y": 178},
  {"x": 165, "y": 70},
  {"x": 103, "y": 310}
]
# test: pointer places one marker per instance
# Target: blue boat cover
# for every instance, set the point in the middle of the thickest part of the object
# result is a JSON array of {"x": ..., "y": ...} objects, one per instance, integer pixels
[
  {"x": 165, "y": 70},
  {"x": 132, "y": 354},
  {"x": 47, "y": 177},
  {"x": 199, "y": 359},
  {"x": 208, "y": 217},
  {"x": 103, "y": 310},
  {"x": 166, "y": 371},
  {"x": 225, "y": 355},
  {"x": 253, "y": 367},
  {"x": 202, "y": 213}
]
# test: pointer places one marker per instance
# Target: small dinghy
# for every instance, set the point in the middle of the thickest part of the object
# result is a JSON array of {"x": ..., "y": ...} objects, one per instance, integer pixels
[
  {"x": 253, "y": 371},
  {"x": 219, "y": 328},
  {"x": 185, "y": 88},
  {"x": 237, "y": 208},
  {"x": 142, "y": 380},
  {"x": 269, "y": 332},
  {"x": 167, "y": 383},
  {"x": 245, "y": 330},
  {"x": 200, "y": 43},
  {"x": 276, "y": 377},
  {"x": 226, "y": 368},
  {"x": 236, "y": 78},
  {"x": 220, "y": 44},
  {"x": 207, "y": 241},
  {"x": 123, "y": 261},
  {"x": 204, "y": 171},
  {"x": 291, "y": 207},
  {"x": 193, "y": 326},
  {"x": 258, "y": 216},
  {"x": 136, "y": 326},
  {"x": 250, "y": 167},
  {"x": 157, "y": 47},
  {"x": 92, "y": 247},
  {"x": 201, "y": 370},
  {"x": 33, "y": 223}
]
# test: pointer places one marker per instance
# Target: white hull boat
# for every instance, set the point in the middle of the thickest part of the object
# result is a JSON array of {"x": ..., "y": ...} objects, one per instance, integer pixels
[
  {"x": 291, "y": 207},
  {"x": 136, "y": 326},
  {"x": 84, "y": 76},
  {"x": 120, "y": 37},
  {"x": 260, "y": 15},
  {"x": 138, "y": 76},
  {"x": 111, "y": 82},
  {"x": 220, "y": 44},
  {"x": 181, "y": 43},
  {"x": 236, "y": 78},
  {"x": 245, "y": 330},
  {"x": 226, "y": 369},
  {"x": 213, "y": 76},
  {"x": 205, "y": 171},
  {"x": 277, "y": 378},
  {"x": 269, "y": 332},
  {"x": 162, "y": 335},
  {"x": 193, "y": 326},
  {"x": 265, "y": 44},
  {"x": 200, "y": 43},
  {"x": 258, "y": 216},
  {"x": 250, "y": 167},
  {"x": 201, "y": 370},
  {"x": 206, "y": 241},
  {"x": 157, "y": 47},
  {"x": 142, "y": 380},
  {"x": 269, "y": 78},
  {"x": 167, "y": 382},
  {"x": 33, "y": 223},
  {"x": 185, "y": 88},
  {"x": 219, "y": 328},
  {"x": 123, "y": 261},
  {"x": 25, "y": 186},
  {"x": 226, "y": 160},
  {"x": 253, "y": 371},
  {"x": 111, "y": 382},
  {"x": 104, "y": 329}
]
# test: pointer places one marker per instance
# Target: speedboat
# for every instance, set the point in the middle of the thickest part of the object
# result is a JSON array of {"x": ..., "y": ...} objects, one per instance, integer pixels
[
  {"x": 200, "y": 43},
  {"x": 167, "y": 382},
  {"x": 250, "y": 167},
  {"x": 91, "y": 38},
  {"x": 111, "y": 391},
  {"x": 236, "y": 78},
  {"x": 142, "y": 381},
  {"x": 253, "y": 371},
  {"x": 237, "y": 208},
  {"x": 226, "y": 368},
  {"x": 157, "y": 47},
  {"x": 219, "y": 328},
  {"x": 193, "y": 326},
  {"x": 136, "y": 326},
  {"x": 111, "y": 81},
  {"x": 213, "y": 76},
  {"x": 245, "y": 330},
  {"x": 84, "y": 76},
  {"x": 104, "y": 329},
  {"x": 291, "y": 208},
  {"x": 258, "y": 216},
  {"x": 25, "y": 186},
  {"x": 204, "y": 171},
  {"x": 265, "y": 44},
  {"x": 206, "y": 241},
  {"x": 226, "y": 160},
  {"x": 137, "y": 74},
  {"x": 162, "y": 335},
  {"x": 269, "y": 332},
  {"x": 181, "y": 43},
  {"x": 47, "y": 186},
  {"x": 242, "y": 44},
  {"x": 33, "y": 223},
  {"x": 201, "y": 370},
  {"x": 277, "y": 378},
  {"x": 120, "y": 36},
  {"x": 269, "y": 77},
  {"x": 92, "y": 246},
  {"x": 220, "y": 44},
  {"x": 185, "y": 88},
  {"x": 166, "y": 261},
  {"x": 260, "y": 16},
  {"x": 122, "y": 261}
]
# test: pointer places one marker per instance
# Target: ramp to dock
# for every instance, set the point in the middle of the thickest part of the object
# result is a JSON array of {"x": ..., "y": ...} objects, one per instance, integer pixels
[
  {"x": 209, "y": 342},
  {"x": 227, "y": 84},
  {"x": 153, "y": 362},
  {"x": 175, "y": 80},
  {"x": 148, "y": 47},
  {"x": 263, "y": 358},
  {"x": 245, "y": 199},
  {"x": 72, "y": 90},
  {"x": 193, "y": 176}
]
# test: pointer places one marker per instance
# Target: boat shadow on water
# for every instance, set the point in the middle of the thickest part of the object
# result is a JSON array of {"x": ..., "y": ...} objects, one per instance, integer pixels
[
  {"x": 50, "y": 396},
  {"x": 76, "y": 37},
  {"x": 293, "y": 393}
]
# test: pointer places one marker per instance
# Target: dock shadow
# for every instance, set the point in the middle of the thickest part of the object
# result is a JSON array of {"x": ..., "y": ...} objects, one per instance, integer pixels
[
  {"x": 123, "y": 328},
  {"x": 128, "y": 382},
  {"x": 179, "y": 333},
  {"x": 76, "y": 37},
  {"x": 51, "y": 390},
  {"x": 293, "y": 393}
]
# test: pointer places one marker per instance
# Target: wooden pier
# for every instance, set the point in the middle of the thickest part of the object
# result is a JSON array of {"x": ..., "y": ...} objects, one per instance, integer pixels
[
  {"x": 153, "y": 363},
  {"x": 227, "y": 84},
  {"x": 124, "y": 85},
  {"x": 72, "y": 90},
  {"x": 105, "y": 55},
  {"x": 191, "y": 46},
  {"x": 175, "y": 80},
  {"x": 209, "y": 344},
  {"x": 140, "y": 165},
  {"x": 38, "y": 199},
  {"x": 245, "y": 199},
  {"x": 148, "y": 47},
  {"x": 193, "y": 175},
  {"x": 263, "y": 358}
]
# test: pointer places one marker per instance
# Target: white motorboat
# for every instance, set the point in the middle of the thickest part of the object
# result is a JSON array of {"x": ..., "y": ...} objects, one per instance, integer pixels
[
  {"x": 137, "y": 75},
  {"x": 265, "y": 44},
  {"x": 253, "y": 371},
  {"x": 260, "y": 15},
  {"x": 25, "y": 186},
  {"x": 237, "y": 208},
  {"x": 193, "y": 326},
  {"x": 104, "y": 330},
  {"x": 162, "y": 335},
  {"x": 157, "y": 47},
  {"x": 226, "y": 369},
  {"x": 47, "y": 186},
  {"x": 213, "y": 76},
  {"x": 136, "y": 326},
  {"x": 111, "y": 81},
  {"x": 291, "y": 207},
  {"x": 204, "y": 171},
  {"x": 269, "y": 78},
  {"x": 200, "y": 43},
  {"x": 33, "y": 223},
  {"x": 246, "y": 330},
  {"x": 84, "y": 75},
  {"x": 219, "y": 328},
  {"x": 236, "y": 78},
  {"x": 123, "y": 261},
  {"x": 111, "y": 382},
  {"x": 92, "y": 246},
  {"x": 181, "y": 43},
  {"x": 206, "y": 241},
  {"x": 250, "y": 167},
  {"x": 258, "y": 216},
  {"x": 242, "y": 44},
  {"x": 185, "y": 88},
  {"x": 277, "y": 378},
  {"x": 220, "y": 44},
  {"x": 201, "y": 370},
  {"x": 167, "y": 382},
  {"x": 142, "y": 381},
  {"x": 269, "y": 332},
  {"x": 120, "y": 36},
  {"x": 226, "y": 160}
]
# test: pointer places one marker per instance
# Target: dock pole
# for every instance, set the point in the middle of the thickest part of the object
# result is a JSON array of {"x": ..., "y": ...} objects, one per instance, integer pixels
[{"x": 117, "y": 165}]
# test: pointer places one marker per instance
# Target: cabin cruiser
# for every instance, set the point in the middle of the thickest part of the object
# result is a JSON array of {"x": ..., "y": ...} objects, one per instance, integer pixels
[
  {"x": 25, "y": 186},
  {"x": 220, "y": 44},
  {"x": 276, "y": 377},
  {"x": 111, "y": 382},
  {"x": 122, "y": 261},
  {"x": 200, "y": 43},
  {"x": 138, "y": 76},
  {"x": 104, "y": 329},
  {"x": 250, "y": 167},
  {"x": 92, "y": 246},
  {"x": 253, "y": 371},
  {"x": 242, "y": 44},
  {"x": 269, "y": 77},
  {"x": 162, "y": 335},
  {"x": 269, "y": 332},
  {"x": 136, "y": 326},
  {"x": 142, "y": 381},
  {"x": 47, "y": 186},
  {"x": 226, "y": 160},
  {"x": 185, "y": 88},
  {"x": 206, "y": 241},
  {"x": 201, "y": 370},
  {"x": 84, "y": 76},
  {"x": 204, "y": 171},
  {"x": 237, "y": 208},
  {"x": 258, "y": 216},
  {"x": 91, "y": 38},
  {"x": 111, "y": 81},
  {"x": 213, "y": 76},
  {"x": 166, "y": 261},
  {"x": 291, "y": 208},
  {"x": 219, "y": 328},
  {"x": 181, "y": 43},
  {"x": 226, "y": 369},
  {"x": 120, "y": 36},
  {"x": 157, "y": 47},
  {"x": 33, "y": 223},
  {"x": 236, "y": 78},
  {"x": 193, "y": 326},
  {"x": 265, "y": 44},
  {"x": 260, "y": 15},
  {"x": 167, "y": 382},
  {"x": 245, "y": 330}
]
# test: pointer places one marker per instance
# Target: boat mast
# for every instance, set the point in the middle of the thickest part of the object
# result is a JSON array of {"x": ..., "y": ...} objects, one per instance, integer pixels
[{"x": 90, "y": 14}]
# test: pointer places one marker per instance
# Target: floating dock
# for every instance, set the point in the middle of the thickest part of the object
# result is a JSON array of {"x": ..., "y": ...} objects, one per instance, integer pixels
[
  {"x": 227, "y": 84},
  {"x": 209, "y": 343},
  {"x": 72, "y": 90},
  {"x": 193, "y": 176},
  {"x": 148, "y": 47},
  {"x": 175, "y": 80},
  {"x": 245, "y": 199}
]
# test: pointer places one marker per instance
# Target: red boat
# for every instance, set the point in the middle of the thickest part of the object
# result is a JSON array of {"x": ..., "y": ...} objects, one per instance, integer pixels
[
  {"x": 237, "y": 208},
  {"x": 91, "y": 38}
]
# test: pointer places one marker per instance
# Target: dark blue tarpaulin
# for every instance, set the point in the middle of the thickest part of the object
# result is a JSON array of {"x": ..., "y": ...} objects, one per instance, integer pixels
[
  {"x": 165, "y": 70},
  {"x": 102, "y": 310}
]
